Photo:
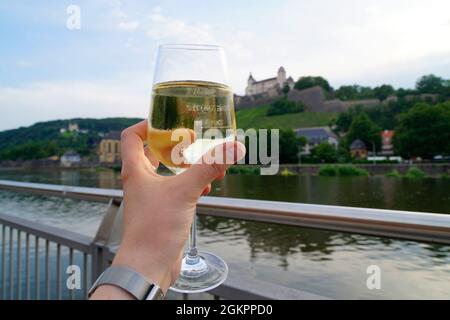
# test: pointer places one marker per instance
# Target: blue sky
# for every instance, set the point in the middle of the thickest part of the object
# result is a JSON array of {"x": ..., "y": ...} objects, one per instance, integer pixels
[{"x": 105, "y": 68}]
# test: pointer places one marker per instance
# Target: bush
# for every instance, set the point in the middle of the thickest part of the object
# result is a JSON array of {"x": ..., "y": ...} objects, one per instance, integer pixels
[
  {"x": 284, "y": 106},
  {"x": 348, "y": 171},
  {"x": 287, "y": 173},
  {"x": 343, "y": 171},
  {"x": 393, "y": 174},
  {"x": 328, "y": 171},
  {"x": 243, "y": 170},
  {"x": 445, "y": 177},
  {"x": 415, "y": 173}
]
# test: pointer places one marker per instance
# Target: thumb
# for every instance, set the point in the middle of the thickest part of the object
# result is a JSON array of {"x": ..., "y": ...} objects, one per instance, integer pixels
[{"x": 214, "y": 163}]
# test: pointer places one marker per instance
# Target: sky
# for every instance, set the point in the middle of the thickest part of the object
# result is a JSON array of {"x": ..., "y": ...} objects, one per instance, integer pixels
[{"x": 104, "y": 68}]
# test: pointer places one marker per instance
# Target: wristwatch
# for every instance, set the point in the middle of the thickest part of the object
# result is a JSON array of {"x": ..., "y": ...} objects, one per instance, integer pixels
[{"x": 129, "y": 280}]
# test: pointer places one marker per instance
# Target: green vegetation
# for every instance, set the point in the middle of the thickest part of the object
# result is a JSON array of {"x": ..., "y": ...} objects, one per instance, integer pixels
[
  {"x": 343, "y": 171},
  {"x": 309, "y": 82},
  {"x": 325, "y": 153},
  {"x": 243, "y": 170},
  {"x": 257, "y": 118},
  {"x": 362, "y": 127},
  {"x": 393, "y": 174},
  {"x": 432, "y": 84},
  {"x": 284, "y": 106},
  {"x": 424, "y": 131},
  {"x": 328, "y": 171},
  {"x": 354, "y": 92},
  {"x": 348, "y": 171},
  {"x": 415, "y": 173},
  {"x": 44, "y": 139}
]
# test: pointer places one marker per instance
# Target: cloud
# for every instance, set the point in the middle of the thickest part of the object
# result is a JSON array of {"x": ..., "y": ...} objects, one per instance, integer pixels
[
  {"x": 162, "y": 27},
  {"x": 128, "y": 26},
  {"x": 61, "y": 100}
]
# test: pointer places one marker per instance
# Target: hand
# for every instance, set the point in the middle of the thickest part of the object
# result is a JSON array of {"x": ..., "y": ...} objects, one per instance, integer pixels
[{"x": 158, "y": 210}]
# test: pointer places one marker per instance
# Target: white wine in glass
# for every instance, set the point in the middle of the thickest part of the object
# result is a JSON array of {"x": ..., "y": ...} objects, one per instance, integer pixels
[{"x": 191, "y": 112}]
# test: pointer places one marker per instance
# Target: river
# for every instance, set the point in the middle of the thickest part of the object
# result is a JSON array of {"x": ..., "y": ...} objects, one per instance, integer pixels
[{"x": 331, "y": 264}]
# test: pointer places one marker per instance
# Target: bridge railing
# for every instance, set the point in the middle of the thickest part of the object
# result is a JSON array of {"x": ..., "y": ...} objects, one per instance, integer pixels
[{"x": 35, "y": 256}]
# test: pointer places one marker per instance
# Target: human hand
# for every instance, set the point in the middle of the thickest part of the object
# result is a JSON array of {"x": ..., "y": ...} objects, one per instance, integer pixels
[{"x": 158, "y": 210}]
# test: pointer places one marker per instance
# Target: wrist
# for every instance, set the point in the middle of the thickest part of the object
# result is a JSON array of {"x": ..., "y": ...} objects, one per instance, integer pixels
[{"x": 149, "y": 265}]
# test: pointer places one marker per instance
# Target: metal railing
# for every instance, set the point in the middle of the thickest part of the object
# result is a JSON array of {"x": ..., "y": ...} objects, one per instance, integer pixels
[{"x": 49, "y": 245}]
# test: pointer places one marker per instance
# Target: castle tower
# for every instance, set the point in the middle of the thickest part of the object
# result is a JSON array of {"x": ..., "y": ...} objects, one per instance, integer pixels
[
  {"x": 281, "y": 77},
  {"x": 249, "y": 90}
]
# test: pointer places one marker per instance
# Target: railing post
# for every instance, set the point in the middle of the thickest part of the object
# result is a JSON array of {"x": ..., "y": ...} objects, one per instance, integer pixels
[{"x": 109, "y": 232}]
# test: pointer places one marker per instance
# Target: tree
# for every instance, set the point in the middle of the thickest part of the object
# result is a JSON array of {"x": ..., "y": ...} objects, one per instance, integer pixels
[
  {"x": 286, "y": 89},
  {"x": 430, "y": 84},
  {"x": 309, "y": 82},
  {"x": 362, "y": 127},
  {"x": 354, "y": 92},
  {"x": 289, "y": 146},
  {"x": 424, "y": 131},
  {"x": 324, "y": 152},
  {"x": 383, "y": 91}
]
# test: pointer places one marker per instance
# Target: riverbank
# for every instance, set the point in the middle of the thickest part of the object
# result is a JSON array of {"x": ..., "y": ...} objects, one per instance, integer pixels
[{"x": 430, "y": 169}]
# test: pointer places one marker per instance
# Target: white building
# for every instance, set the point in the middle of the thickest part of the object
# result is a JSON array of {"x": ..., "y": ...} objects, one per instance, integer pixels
[
  {"x": 270, "y": 86},
  {"x": 70, "y": 158}
]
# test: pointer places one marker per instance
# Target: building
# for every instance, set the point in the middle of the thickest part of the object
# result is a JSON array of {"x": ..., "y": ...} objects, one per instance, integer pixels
[
  {"x": 387, "y": 148},
  {"x": 69, "y": 159},
  {"x": 271, "y": 86},
  {"x": 109, "y": 149},
  {"x": 315, "y": 136},
  {"x": 74, "y": 128},
  {"x": 358, "y": 149}
]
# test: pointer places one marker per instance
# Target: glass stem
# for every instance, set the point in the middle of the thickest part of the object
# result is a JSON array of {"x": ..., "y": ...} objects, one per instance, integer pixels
[{"x": 192, "y": 256}]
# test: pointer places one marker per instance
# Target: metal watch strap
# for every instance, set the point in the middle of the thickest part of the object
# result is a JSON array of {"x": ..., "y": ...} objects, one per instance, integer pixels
[{"x": 129, "y": 280}]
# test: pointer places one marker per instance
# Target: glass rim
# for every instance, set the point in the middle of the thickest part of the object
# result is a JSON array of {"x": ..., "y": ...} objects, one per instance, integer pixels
[{"x": 189, "y": 46}]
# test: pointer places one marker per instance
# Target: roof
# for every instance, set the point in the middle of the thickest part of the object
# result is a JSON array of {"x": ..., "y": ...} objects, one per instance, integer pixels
[
  {"x": 281, "y": 69},
  {"x": 112, "y": 135},
  {"x": 357, "y": 144},
  {"x": 315, "y": 135},
  {"x": 266, "y": 80},
  {"x": 387, "y": 133}
]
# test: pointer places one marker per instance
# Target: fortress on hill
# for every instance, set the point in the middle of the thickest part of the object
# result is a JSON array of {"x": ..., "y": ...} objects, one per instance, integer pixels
[
  {"x": 271, "y": 86},
  {"x": 267, "y": 91}
]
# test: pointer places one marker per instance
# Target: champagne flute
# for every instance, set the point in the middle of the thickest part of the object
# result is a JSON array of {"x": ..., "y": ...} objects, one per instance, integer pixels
[{"x": 191, "y": 112}]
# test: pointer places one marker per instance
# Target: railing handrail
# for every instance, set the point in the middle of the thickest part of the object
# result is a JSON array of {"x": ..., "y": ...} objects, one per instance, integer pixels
[
  {"x": 422, "y": 226},
  {"x": 64, "y": 237}
]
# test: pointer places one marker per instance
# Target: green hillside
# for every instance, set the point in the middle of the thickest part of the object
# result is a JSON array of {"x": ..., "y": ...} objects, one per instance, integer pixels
[
  {"x": 256, "y": 118},
  {"x": 44, "y": 139}
]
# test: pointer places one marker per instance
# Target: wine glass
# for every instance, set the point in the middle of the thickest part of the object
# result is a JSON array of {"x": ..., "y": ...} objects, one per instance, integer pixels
[{"x": 191, "y": 112}]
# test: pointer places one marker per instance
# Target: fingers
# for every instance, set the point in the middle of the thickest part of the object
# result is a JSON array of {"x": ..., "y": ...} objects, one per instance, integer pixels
[
  {"x": 132, "y": 147},
  {"x": 151, "y": 158},
  {"x": 212, "y": 165},
  {"x": 206, "y": 190}
]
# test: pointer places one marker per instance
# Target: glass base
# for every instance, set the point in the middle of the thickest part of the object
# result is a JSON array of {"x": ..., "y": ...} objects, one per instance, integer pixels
[{"x": 200, "y": 274}]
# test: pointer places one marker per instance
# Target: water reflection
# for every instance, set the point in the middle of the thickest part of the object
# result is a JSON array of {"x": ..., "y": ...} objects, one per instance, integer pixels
[{"x": 324, "y": 262}]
